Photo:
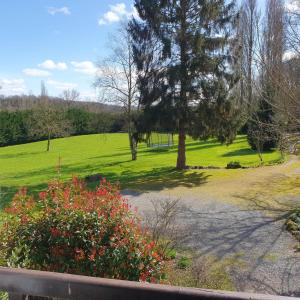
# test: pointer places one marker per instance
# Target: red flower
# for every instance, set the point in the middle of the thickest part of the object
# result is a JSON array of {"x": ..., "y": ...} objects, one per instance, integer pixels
[
  {"x": 57, "y": 251},
  {"x": 55, "y": 232},
  {"x": 43, "y": 195},
  {"x": 93, "y": 254},
  {"x": 66, "y": 194},
  {"x": 144, "y": 276},
  {"x": 24, "y": 219},
  {"x": 79, "y": 254}
]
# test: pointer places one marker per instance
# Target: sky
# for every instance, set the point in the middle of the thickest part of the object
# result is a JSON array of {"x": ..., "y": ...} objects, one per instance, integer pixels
[{"x": 57, "y": 41}]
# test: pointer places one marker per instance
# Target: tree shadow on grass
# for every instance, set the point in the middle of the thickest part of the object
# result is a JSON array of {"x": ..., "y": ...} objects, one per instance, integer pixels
[
  {"x": 162, "y": 178},
  {"x": 242, "y": 152},
  {"x": 7, "y": 192},
  {"x": 118, "y": 154},
  {"x": 66, "y": 170},
  {"x": 155, "y": 179},
  {"x": 173, "y": 149},
  {"x": 20, "y": 154}
]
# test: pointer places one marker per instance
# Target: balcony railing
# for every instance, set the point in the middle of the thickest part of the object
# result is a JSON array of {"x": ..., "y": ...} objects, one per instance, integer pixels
[{"x": 19, "y": 283}]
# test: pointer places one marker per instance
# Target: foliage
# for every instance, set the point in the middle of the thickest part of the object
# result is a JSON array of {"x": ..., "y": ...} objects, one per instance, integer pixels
[
  {"x": 182, "y": 53},
  {"x": 71, "y": 229},
  {"x": 14, "y": 127},
  {"x": 234, "y": 165},
  {"x": 293, "y": 224},
  {"x": 205, "y": 272},
  {"x": 79, "y": 120},
  {"x": 184, "y": 262},
  {"x": 261, "y": 132},
  {"x": 3, "y": 296},
  {"x": 17, "y": 127},
  {"x": 171, "y": 253}
]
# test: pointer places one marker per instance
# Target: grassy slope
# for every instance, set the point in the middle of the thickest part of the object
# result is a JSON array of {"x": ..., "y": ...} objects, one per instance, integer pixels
[{"x": 108, "y": 154}]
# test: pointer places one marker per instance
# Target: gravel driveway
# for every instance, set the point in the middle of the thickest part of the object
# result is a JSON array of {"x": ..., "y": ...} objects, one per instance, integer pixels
[{"x": 270, "y": 264}]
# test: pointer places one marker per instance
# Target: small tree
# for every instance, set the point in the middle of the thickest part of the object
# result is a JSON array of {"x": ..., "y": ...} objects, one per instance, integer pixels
[
  {"x": 47, "y": 120},
  {"x": 70, "y": 95},
  {"x": 116, "y": 81}
]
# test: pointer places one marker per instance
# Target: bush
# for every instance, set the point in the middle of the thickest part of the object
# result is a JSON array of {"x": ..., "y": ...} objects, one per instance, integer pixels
[
  {"x": 184, "y": 262},
  {"x": 293, "y": 224},
  {"x": 234, "y": 165},
  {"x": 70, "y": 229},
  {"x": 267, "y": 142}
]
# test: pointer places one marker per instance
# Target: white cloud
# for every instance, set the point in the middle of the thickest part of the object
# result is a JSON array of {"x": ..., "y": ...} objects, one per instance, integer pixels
[
  {"x": 12, "y": 86},
  {"x": 59, "y": 10},
  {"x": 289, "y": 55},
  {"x": 51, "y": 65},
  {"x": 116, "y": 13},
  {"x": 109, "y": 17},
  {"x": 85, "y": 67},
  {"x": 292, "y": 5},
  {"x": 119, "y": 8},
  {"x": 61, "y": 85},
  {"x": 36, "y": 72}
]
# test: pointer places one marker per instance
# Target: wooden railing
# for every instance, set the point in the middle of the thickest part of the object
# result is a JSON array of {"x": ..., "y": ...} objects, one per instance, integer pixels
[{"x": 19, "y": 282}]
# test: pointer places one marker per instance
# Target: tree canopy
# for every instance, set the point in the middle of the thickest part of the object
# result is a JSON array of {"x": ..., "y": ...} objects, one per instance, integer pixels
[{"x": 182, "y": 52}]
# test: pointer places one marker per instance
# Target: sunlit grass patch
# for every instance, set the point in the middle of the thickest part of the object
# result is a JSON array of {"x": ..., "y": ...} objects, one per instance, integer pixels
[{"x": 109, "y": 155}]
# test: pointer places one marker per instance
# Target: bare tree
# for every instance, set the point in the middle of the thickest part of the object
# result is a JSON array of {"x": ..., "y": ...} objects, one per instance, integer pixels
[
  {"x": 47, "y": 120},
  {"x": 248, "y": 20},
  {"x": 70, "y": 95},
  {"x": 116, "y": 80},
  {"x": 293, "y": 26},
  {"x": 280, "y": 78},
  {"x": 164, "y": 225},
  {"x": 268, "y": 121}
]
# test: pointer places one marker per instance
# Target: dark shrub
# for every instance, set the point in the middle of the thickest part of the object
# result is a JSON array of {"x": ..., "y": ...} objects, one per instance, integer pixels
[{"x": 234, "y": 165}]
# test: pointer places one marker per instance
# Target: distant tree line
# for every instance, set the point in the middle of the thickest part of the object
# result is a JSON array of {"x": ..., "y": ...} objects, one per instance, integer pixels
[
  {"x": 28, "y": 125},
  {"x": 28, "y": 102}
]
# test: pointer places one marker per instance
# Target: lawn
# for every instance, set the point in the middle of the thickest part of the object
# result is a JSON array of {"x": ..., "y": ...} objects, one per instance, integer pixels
[{"x": 108, "y": 154}]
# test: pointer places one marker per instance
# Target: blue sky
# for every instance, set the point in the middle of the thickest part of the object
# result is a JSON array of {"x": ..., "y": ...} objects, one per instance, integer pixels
[{"x": 57, "y": 41}]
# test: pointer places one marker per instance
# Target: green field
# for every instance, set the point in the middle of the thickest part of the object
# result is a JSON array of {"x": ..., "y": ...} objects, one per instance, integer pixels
[{"x": 108, "y": 154}]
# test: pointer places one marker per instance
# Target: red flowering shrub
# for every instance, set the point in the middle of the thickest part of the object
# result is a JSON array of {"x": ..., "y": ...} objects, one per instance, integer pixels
[{"x": 70, "y": 229}]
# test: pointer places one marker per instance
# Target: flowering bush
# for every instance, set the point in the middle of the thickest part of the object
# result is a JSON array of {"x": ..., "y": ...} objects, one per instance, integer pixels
[{"x": 70, "y": 229}]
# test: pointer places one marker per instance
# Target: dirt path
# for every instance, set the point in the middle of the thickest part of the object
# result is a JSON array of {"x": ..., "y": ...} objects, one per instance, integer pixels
[
  {"x": 226, "y": 224},
  {"x": 241, "y": 182}
]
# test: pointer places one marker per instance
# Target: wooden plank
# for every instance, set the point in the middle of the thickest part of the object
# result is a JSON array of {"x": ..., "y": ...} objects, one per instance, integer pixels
[
  {"x": 14, "y": 296},
  {"x": 68, "y": 286}
]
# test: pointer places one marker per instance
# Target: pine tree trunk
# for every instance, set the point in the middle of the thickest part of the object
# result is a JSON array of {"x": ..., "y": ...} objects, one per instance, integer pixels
[
  {"x": 181, "y": 159},
  {"x": 183, "y": 107}
]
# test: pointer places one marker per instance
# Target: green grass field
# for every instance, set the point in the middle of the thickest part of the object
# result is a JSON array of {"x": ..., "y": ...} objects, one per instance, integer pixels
[{"x": 108, "y": 154}]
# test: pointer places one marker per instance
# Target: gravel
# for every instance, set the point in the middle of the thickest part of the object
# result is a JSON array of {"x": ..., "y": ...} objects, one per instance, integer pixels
[{"x": 268, "y": 262}]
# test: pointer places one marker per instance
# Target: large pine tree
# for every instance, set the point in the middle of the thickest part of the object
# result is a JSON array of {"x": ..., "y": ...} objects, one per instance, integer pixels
[{"x": 182, "y": 52}]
